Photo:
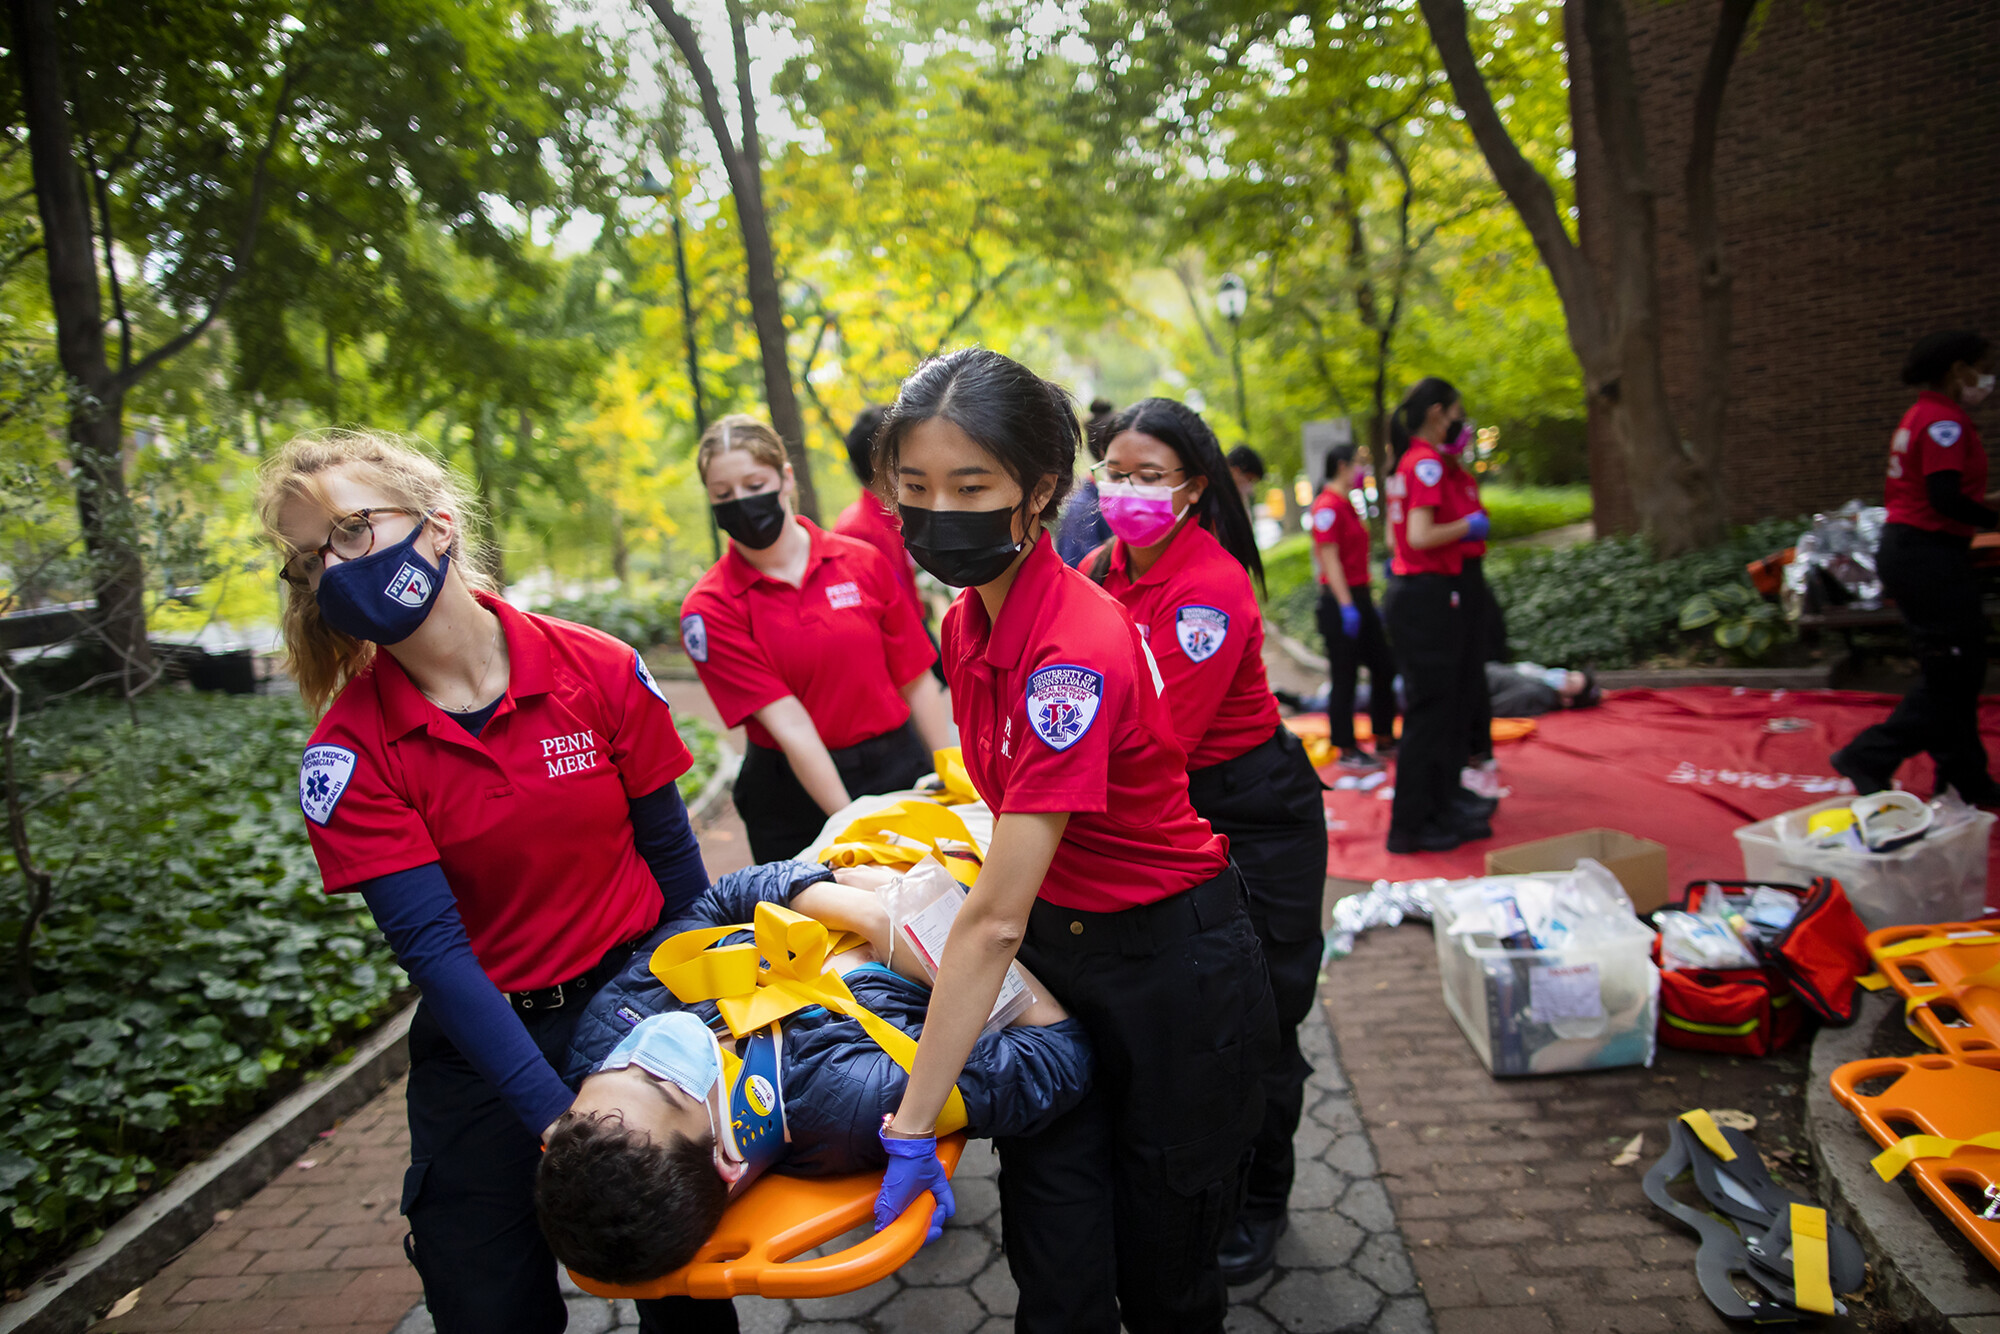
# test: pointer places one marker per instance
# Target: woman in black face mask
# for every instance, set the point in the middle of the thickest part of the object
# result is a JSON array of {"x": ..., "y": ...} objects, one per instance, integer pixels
[
  {"x": 806, "y": 639},
  {"x": 1100, "y": 875}
]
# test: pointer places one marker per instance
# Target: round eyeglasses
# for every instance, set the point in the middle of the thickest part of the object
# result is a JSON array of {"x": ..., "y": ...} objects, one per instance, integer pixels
[{"x": 351, "y": 537}]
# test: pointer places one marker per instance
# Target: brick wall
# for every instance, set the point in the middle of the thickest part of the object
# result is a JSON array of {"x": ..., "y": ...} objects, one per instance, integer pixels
[{"x": 1858, "y": 180}]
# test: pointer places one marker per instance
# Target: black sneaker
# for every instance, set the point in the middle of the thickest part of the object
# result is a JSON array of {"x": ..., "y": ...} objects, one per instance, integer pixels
[
  {"x": 1864, "y": 781},
  {"x": 1983, "y": 793},
  {"x": 1470, "y": 807},
  {"x": 1250, "y": 1249},
  {"x": 1437, "y": 836}
]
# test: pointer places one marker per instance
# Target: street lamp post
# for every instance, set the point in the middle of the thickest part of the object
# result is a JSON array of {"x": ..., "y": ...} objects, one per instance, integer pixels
[{"x": 1232, "y": 298}]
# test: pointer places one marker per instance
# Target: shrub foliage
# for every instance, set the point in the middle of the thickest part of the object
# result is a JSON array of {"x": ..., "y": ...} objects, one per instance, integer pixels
[
  {"x": 1612, "y": 602},
  {"x": 189, "y": 959}
]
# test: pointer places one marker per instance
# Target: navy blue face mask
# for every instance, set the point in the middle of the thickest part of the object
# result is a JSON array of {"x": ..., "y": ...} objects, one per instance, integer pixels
[{"x": 385, "y": 595}]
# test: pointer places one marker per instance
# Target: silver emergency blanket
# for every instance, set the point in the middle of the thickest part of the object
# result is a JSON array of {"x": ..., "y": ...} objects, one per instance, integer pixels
[
  {"x": 1834, "y": 562},
  {"x": 1382, "y": 904}
]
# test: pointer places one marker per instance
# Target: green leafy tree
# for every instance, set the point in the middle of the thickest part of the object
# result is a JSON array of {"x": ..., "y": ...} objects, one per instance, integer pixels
[{"x": 240, "y": 156}]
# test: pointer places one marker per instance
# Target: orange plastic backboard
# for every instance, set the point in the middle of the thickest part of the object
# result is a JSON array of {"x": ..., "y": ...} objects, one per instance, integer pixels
[
  {"x": 1957, "y": 1097},
  {"x": 779, "y": 1217},
  {"x": 1963, "y": 975}
]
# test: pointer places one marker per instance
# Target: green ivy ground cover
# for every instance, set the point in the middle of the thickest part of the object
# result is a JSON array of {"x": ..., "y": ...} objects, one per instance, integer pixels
[
  {"x": 191, "y": 968},
  {"x": 1611, "y": 603},
  {"x": 642, "y": 617},
  {"x": 190, "y": 960},
  {"x": 1607, "y": 604}
]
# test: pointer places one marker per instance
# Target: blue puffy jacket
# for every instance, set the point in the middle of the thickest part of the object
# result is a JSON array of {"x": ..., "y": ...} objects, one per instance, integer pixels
[{"x": 837, "y": 1082}]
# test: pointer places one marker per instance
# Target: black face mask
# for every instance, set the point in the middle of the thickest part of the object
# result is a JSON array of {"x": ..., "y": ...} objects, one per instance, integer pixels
[
  {"x": 963, "y": 548},
  {"x": 755, "y": 521}
]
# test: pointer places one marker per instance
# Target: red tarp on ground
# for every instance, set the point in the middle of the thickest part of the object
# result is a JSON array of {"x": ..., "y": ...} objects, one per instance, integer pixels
[{"x": 1684, "y": 767}]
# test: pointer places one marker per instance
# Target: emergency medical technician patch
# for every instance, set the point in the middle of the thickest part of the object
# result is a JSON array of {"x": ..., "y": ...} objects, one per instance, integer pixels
[
  {"x": 411, "y": 586},
  {"x": 646, "y": 678},
  {"x": 1429, "y": 471},
  {"x": 1062, "y": 702},
  {"x": 1946, "y": 433},
  {"x": 694, "y": 637},
  {"x": 1201, "y": 630},
  {"x": 323, "y": 777}
]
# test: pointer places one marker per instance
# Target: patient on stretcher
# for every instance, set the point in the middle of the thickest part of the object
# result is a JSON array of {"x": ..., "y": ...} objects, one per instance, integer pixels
[{"x": 665, "y": 1128}]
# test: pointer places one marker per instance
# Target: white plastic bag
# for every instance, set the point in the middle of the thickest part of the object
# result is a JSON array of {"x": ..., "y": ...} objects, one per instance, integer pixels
[{"x": 922, "y": 903}]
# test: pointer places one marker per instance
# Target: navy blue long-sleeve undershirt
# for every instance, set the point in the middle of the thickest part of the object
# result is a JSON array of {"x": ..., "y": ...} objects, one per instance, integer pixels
[{"x": 418, "y": 914}]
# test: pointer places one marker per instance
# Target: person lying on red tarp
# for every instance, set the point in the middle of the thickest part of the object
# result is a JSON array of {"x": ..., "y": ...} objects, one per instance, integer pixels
[{"x": 638, "y": 1171}]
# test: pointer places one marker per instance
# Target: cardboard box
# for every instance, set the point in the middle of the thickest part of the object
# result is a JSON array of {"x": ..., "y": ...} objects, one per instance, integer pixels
[{"x": 1639, "y": 863}]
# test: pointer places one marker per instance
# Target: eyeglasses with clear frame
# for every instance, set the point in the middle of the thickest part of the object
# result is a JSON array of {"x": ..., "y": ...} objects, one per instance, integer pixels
[
  {"x": 1148, "y": 476},
  {"x": 351, "y": 537}
]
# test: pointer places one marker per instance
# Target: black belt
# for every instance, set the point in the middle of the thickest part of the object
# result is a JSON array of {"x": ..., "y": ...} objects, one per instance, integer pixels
[
  {"x": 1145, "y": 929},
  {"x": 578, "y": 988}
]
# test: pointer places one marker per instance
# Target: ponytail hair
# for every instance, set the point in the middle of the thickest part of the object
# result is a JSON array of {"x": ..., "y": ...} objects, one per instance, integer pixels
[
  {"x": 1424, "y": 395},
  {"x": 1220, "y": 509},
  {"x": 1337, "y": 457}
]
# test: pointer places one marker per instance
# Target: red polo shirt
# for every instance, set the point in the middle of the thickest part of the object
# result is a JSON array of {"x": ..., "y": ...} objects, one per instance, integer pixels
[
  {"x": 1936, "y": 435},
  {"x": 1199, "y": 615},
  {"x": 1418, "y": 483},
  {"x": 1463, "y": 485},
  {"x": 1060, "y": 709},
  {"x": 529, "y": 819},
  {"x": 1334, "y": 523},
  {"x": 867, "y": 520},
  {"x": 845, "y": 641}
]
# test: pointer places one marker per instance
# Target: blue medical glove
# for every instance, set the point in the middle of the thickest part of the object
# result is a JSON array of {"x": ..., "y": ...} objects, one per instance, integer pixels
[
  {"x": 1350, "y": 620},
  {"x": 1477, "y": 526},
  {"x": 913, "y": 1169}
]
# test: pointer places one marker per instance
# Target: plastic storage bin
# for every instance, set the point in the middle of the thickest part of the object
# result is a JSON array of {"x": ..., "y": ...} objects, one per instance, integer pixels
[
  {"x": 1542, "y": 1012},
  {"x": 1939, "y": 878}
]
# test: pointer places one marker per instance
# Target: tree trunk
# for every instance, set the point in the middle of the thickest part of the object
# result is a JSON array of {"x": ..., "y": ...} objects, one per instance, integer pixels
[
  {"x": 746, "y": 187},
  {"x": 1614, "y": 333},
  {"x": 1711, "y": 401},
  {"x": 96, "y": 419}
]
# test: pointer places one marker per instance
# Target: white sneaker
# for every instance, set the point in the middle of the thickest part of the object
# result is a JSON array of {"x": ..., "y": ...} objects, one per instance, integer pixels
[{"x": 1481, "y": 780}]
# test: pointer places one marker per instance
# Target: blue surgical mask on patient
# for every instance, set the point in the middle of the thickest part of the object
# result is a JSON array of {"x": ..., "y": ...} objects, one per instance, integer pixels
[{"x": 676, "y": 1048}]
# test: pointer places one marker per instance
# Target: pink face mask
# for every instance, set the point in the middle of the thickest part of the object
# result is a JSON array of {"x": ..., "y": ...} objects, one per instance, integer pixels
[{"x": 1139, "y": 514}]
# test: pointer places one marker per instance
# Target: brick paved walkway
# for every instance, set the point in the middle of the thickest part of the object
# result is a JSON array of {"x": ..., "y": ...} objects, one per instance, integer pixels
[
  {"x": 1511, "y": 1209},
  {"x": 320, "y": 1247}
]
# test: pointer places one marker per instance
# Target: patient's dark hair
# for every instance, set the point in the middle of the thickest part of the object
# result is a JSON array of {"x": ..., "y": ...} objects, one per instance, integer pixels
[{"x": 620, "y": 1208}]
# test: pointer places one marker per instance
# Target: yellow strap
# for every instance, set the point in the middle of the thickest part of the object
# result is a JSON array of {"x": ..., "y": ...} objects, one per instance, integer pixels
[
  {"x": 1889, "y": 1163},
  {"x": 957, "y": 779},
  {"x": 1811, "y": 1290},
  {"x": 782, "y": 972},
  {"x": 901, "y": 834},
  {"x": 1704, "y": 1128},
  {"x": 1874, "y": 981},
  {"x": 1904, "y": 948}
]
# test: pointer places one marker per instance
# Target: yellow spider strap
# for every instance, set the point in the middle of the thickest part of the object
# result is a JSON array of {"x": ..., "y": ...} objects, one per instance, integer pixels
[
  {"x": 1811, "y": 1290},
  {"x": 782, "y": 972},
  {"x": 1892, "y": 1160},
  {"x": 1704, "y": 1128}
]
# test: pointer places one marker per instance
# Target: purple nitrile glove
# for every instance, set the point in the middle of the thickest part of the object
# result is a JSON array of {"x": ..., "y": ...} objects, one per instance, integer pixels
[
  {"x": 913, "y": 1169},
  {"x": 1350, "y": 620},
  {"x": 1477, "y": 525}
]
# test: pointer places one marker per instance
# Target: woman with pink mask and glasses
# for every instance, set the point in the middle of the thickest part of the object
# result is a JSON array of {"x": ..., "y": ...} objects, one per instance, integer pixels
[{"x": 1181, "y": 560}]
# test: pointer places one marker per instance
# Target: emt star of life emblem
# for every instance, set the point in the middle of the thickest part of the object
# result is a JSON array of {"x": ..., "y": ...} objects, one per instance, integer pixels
[
  {"x": 694, "y": 637},
  {"x": 323, "y": 776},
  {"x": 1201, "y": 630},
  {"x": 1062, "y": 702}
]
